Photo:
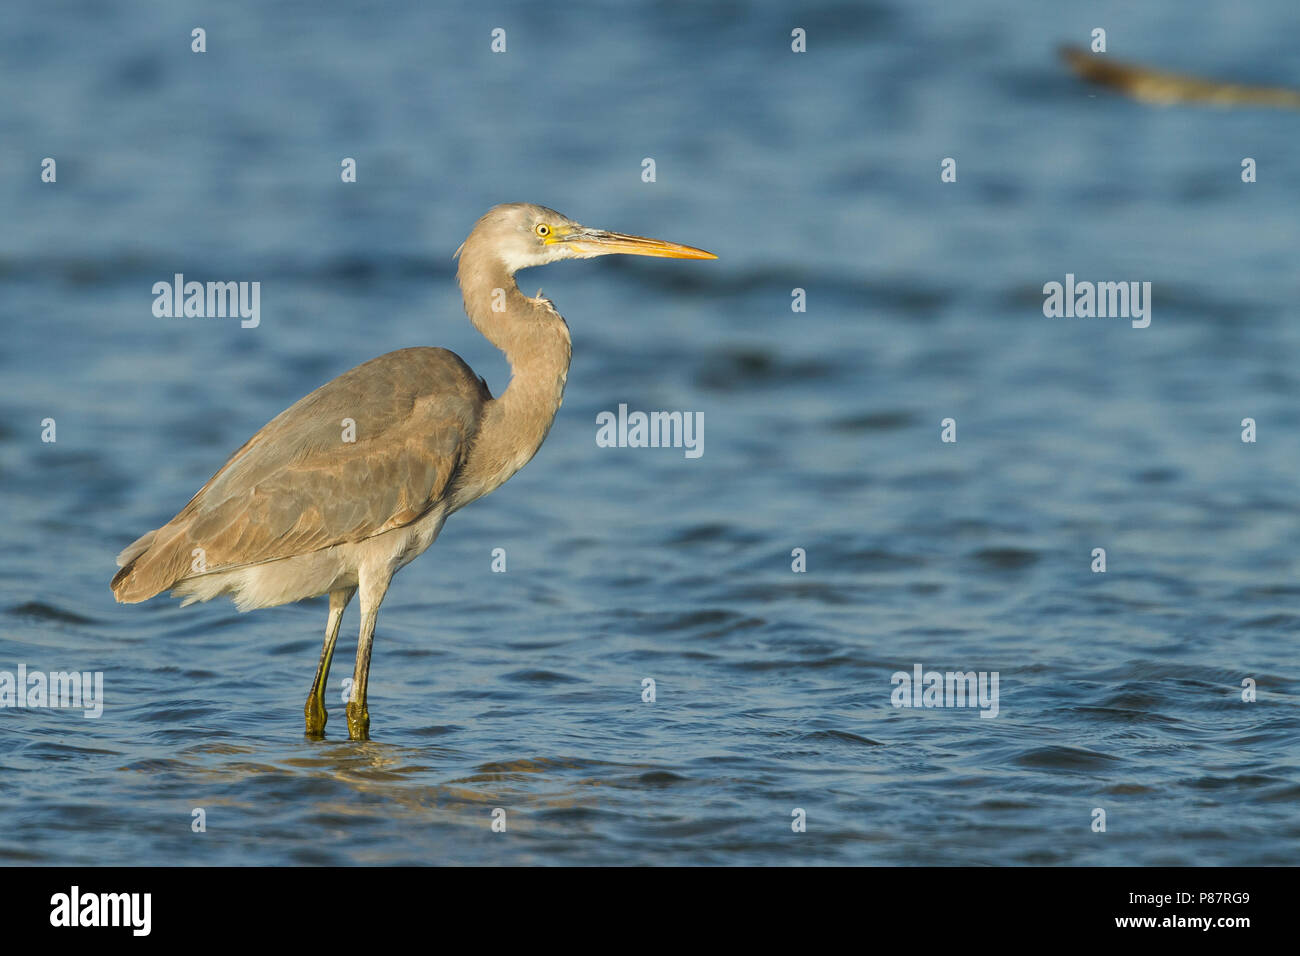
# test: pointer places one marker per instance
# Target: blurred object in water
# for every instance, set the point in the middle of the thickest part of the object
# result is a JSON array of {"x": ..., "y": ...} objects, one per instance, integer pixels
[{"x": 1165, "y": 89}]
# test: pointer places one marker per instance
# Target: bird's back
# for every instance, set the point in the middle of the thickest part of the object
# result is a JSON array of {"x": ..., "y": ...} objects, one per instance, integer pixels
[{"x": 301, "y": 485}]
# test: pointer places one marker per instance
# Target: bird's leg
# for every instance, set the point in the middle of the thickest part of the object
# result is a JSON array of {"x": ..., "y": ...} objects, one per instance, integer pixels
[
  {"x": 315, "y": 709},
  {"x": 372, "y": 593}
]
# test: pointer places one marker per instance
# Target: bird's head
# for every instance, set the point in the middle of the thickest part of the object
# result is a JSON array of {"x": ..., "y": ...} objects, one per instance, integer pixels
[{"x": 522, "y": 235}]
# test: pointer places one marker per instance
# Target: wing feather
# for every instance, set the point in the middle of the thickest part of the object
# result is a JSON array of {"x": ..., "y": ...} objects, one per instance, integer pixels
[{"x": 298, "y": 486}]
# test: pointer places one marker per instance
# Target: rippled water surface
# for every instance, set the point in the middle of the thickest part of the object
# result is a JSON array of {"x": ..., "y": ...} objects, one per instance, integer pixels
[{"x": 522, "y": 690}]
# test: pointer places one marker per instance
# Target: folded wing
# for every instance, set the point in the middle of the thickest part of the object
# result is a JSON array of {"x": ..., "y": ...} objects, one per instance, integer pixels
[{"x": 299, "y": 485}]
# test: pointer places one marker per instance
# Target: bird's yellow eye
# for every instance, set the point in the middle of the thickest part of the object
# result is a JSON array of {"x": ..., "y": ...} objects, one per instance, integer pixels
[{"x": 542, "y": 229}]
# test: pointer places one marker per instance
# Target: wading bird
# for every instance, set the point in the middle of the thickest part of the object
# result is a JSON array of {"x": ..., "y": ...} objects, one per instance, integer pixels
[{"x": 298, "y": 512}]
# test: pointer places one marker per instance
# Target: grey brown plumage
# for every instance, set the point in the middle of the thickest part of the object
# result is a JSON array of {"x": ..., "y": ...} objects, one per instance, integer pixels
[
  {"x": 289, "y": 491},
  {"x": 300, "y": 511}
]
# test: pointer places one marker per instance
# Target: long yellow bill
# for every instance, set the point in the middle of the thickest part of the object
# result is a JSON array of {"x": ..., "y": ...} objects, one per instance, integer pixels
[{"x": 597, "y": 242}]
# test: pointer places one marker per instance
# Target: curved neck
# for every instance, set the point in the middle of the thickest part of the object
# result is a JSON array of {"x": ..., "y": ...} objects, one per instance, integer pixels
[{"x": 536, "y": 343}]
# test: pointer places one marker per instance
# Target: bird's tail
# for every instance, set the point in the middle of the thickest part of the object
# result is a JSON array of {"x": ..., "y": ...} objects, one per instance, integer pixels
[{"x": 149, "y": 565}]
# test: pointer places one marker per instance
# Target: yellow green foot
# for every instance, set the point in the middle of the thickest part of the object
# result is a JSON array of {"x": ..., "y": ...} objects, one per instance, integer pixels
[
  {"x": 315, "y": 714},
  {"x": 358, "y": 721}
]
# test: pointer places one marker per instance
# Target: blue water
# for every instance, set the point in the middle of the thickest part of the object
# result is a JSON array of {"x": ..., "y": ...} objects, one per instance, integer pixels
[{"x": 522, "y": 691}]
